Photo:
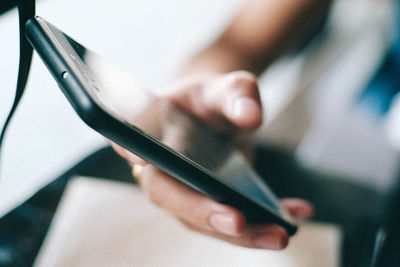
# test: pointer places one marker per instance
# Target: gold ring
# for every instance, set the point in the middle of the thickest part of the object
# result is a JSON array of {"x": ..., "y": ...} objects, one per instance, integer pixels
[{"x": 137, "y": 171}]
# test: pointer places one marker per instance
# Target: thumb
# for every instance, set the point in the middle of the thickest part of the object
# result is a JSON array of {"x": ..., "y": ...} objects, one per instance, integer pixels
[
  {"x": 236, "y": 97},
  {"x": 229, "y": 99}
]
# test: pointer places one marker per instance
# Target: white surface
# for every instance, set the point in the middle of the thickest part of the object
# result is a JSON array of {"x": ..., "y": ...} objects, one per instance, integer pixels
[
  {"x": 147, "y": 38},
  {"x": 129, "y": 231}
]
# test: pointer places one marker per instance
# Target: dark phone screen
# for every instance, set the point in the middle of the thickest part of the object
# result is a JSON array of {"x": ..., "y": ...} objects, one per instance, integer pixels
[{"x": 182, "y": 132}]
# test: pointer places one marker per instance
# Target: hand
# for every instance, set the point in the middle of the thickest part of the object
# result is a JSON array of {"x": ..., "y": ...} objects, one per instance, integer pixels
[{"x": 230, "y": 104}]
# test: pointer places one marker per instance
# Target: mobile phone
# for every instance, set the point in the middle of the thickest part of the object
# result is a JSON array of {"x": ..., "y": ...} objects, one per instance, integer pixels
[{"x": 206, "y": 162}]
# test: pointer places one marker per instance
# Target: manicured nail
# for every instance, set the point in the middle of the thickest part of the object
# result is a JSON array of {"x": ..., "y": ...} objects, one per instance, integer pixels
[
  {"x": 300, "y": 214},
  {"x": 243, "y": 105},
  {"x": 223, "y": 223},
  {"x": 271, "y": 240}
]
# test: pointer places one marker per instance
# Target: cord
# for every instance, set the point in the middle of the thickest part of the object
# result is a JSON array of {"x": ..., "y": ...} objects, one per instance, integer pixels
[{"x": 26, "y": 10}]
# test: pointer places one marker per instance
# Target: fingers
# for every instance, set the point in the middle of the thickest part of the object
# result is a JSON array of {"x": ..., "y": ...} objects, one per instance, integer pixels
[
  {"x": 298, "y": 208},
  {"x": 127, "y": 155},
  {"x": 238, "y": 99},
  {"x": 265, "y": 237},
  {"x": 233, "y": 98},
  {"x": 190, "y": 205},
  {"x": 207, "y": 216}
]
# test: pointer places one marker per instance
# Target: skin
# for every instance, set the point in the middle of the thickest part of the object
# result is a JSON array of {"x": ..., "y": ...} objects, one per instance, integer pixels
[{"x": 219, "y": 86}]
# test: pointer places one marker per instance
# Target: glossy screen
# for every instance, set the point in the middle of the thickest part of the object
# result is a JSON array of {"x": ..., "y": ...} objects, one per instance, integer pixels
[{"x": 181, "y": 132}]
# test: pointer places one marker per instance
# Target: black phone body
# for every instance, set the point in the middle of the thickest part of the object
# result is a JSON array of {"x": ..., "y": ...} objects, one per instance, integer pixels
[{"x": 67, "y": 61}]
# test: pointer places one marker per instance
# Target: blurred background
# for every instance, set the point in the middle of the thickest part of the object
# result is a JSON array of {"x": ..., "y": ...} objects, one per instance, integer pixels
[{"x": 317, "y": 103}]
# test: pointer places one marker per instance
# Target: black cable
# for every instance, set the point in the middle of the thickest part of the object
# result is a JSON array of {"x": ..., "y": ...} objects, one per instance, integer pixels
[
  {"x": 7, "y": 5},
  {"x": 26, "y": 10}
]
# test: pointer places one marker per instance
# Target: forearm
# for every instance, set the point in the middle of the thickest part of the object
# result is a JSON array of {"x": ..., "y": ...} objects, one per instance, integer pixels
[{"x": 261, "y": 32}]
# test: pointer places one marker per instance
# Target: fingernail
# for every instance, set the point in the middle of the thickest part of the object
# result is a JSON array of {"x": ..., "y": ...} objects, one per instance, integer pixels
[
  {"x": 223, "y": 223},
  {"x": 243, "y": 105},
  {"x": 271, "y": 240},
  {"x": 300, "y": 214}
]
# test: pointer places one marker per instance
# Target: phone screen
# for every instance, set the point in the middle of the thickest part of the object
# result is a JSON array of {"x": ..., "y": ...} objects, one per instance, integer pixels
[{"x": 182, "y": 132}]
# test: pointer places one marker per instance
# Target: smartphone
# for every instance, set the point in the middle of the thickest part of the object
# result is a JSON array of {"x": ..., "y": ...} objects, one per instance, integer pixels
[{"x": 201, "y": 158}]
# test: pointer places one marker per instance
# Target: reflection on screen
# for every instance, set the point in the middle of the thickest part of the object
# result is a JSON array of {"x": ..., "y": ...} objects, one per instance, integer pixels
[{"x": 183, "y": 132}]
